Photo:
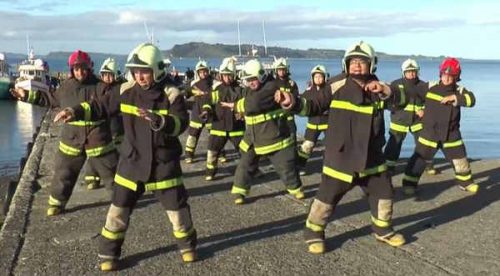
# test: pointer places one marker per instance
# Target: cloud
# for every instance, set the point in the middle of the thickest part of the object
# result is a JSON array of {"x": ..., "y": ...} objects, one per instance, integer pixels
[{"x": 217, "y": 25}]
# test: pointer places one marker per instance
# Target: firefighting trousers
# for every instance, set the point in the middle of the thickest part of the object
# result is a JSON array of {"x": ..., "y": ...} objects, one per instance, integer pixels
[
  {"x": 311, "y": 138},
  {"x": 454, "y": 152},
  {"x": 216, "y": 145},
  {"x": 102, "y": 170},
  {"x": 173, "y": 200},
  {"x": 393, "y": 148},
  {"x": 378, "y": 189},
  {"x": 283, "y": 161},
  {"x": 68, "y": 168}
]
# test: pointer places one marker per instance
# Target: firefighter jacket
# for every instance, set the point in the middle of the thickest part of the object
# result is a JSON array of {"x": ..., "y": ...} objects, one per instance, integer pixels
[
  {"x": 321, "y": 93},
  {"x": 115, "y": 124},
  {"x": 403, "y": 115},
  {"x": 355, "y": 134},
  {"x": 442, "y": 121},
  {"x": 289, "y": 86},
  {"x": 149, "y": 154},
  {"x": 91, "y": 137},
  {"x": 200, "y": 90},
  {"x": 266, "y": 127},
  {"x": 223, "y": 119}
]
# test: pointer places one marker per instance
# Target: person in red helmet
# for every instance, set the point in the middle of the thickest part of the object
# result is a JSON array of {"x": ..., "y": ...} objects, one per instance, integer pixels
[
  {"x": 441, "y": 129},
  {"x": 79, "y": 139}
]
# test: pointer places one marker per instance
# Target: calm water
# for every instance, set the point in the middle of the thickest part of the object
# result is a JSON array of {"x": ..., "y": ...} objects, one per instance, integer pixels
[{"x": 479, "y": 126}]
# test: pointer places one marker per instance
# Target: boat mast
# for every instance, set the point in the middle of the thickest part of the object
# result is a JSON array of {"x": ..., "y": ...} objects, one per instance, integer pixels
[
  {"x": 239, "y": 40},
  {"x": 265, "y": 42}
]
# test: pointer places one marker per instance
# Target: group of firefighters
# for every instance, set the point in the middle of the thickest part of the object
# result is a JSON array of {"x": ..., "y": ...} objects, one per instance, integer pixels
[{"x": 128, "y": 131}]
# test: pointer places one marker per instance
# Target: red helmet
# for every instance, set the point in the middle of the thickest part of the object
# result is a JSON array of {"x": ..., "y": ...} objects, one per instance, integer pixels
[
  {"x": 80, "y": 57},
  {"x": 450, "y": 66}
]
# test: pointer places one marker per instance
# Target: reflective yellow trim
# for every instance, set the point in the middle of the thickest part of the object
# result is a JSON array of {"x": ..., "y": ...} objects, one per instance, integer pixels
[
  {"x": 413, "y": 107},
  {"x": 351, "y": 107},
  {"x": 194, "y": 124},
  {"x": 314, "y": 227},
  {"x": 218, "y": 133},
  {"x": 374, "y": 170},
  {"x": 463, "y": 177},
  {"x": 290, "y": 118},
  {"x": 236, "y": 133},
  {"x": 207, "y": 106},
  {"x": 244, "y": 146},
  {"x": 303, "y": 154},
  {"x": 164, "y": 184},
  {"x": 468, "y": 100},
  {"x": 426, "y": 142},
  {"x": 86, "y": 123},
  {"x": 69, "y": 150},
  {"x": 238, "y": 190},
  {"x": 294, "y": 191},
  {"x": 416, "y": 127},
  {"x": 112, "y": 235},
  {"x": 453, "y": 144},
  {"x": 240, "y": 105},
  {"x": 381, "y": 223},
  {"x": 253, "y": 120},
  {"x": 210, "y": 166},
  {"x": 434, "y": 96},
  {"x": 177, "y": 125},
  {"x": 317, "y": 127},
  {"x": 209, "y": 126},
  {"x": 338, "y": 175},
  {"x": 398, "y": 127},
  {"x": 134, "y": 110},
  {"x": 275, "y": 147},
  {"x": 182, "y": 234},
  {"x": 92, "y": 178},
  {"x": 122, "y": 181},
  {"x": 411, "y": 178},
  {"x": 98, "y": 151},
  {"x": 87, "y": 113},
  {"x": 55, "y": 202},
  {"x": 215, "y": 97}
]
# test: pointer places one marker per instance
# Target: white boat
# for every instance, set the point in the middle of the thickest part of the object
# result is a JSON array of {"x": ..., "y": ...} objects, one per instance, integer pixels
[{"x": 33, "y": 74}]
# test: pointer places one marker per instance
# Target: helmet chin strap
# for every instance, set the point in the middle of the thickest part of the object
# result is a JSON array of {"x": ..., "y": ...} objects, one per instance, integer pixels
[{"x": 360, "y": 77}]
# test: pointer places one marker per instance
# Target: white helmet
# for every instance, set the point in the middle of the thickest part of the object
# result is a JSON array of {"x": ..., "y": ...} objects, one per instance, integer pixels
[
  {"x": 253, "y": 69},
  {"x": 202, "y": 64},
  {"x": 362, "y": 50},
  {"x": 109, "y": 66},
  {"x": 410, "y": 65},
  {"x": 319, "y": 69},
  {"x": 147, "y": 55},
  {"x": 227, "y": 67},
  {"x": 281, "y": 63}
]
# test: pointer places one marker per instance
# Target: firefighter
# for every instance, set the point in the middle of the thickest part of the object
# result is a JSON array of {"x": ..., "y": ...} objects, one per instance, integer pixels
[
  {"x": 406, "y": 116},
  {"x": 79, "y": 139},
  {"x": 316, "y": 124},
  {"x": 110, "y": 79},
  {"x": 267, "y": 133},
  {"x": 154, "y": 115},
  {"x": 286, "y": 84},
  {"x": 225, "y": 126},
  {"x": 200, "y": 90},
  {"x": 441, "y": 129},
  {"x": 354, "y": 141}
]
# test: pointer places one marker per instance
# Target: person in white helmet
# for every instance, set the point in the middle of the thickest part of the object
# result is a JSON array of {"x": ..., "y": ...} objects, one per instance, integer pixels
[
  {"x": 354, "y": 140},
  {"x": 154, "y": 115},
  {"x": 406, "y": 116},
  {"x": 316, "y": 124}
]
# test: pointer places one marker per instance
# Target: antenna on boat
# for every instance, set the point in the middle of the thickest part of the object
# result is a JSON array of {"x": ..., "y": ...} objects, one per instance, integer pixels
[
  {"x": 239, "y": 40},
  {"x": 264, "y": 33},
  {"x": 31, "y": 53}
]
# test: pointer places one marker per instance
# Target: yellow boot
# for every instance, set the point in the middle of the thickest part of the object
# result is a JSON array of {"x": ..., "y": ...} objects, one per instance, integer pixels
[
  {"x": 393, "y": 239},
  {"x": 299, "y": 195},
  {"x": 317, "y": 247},
  {"x": 473, "y": 188},
  {"x": 409, "y": 190},
  {"x": 53, "y": 211},
  {"x": 189, "y": 256},
  {"x": 109, "y": 265},
  {"x": 239, "y": 199}
]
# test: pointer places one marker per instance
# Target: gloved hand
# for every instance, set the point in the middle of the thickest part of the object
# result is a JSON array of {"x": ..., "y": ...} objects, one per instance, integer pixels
[
  {"x": 204, "y": 115},
  {"x": 157, "y": 121}
]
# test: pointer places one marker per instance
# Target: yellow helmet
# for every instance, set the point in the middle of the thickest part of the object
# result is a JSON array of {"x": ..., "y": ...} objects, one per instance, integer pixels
[
  {"x": 281, "y": 63},
  {"x": 109, "y": 66},
  {"x": 253, "y": 69},
  {"x": 202, "y": 64},
  {"x": 410, "y": 65},
  {"x": 227, "y": 67},
  {"x": 363, "y": 50},
  {"x": 147, "y": 55}
]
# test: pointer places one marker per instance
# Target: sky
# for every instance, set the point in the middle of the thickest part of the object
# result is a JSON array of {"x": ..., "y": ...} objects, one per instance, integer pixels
[{"x": 467, "y": 29}]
